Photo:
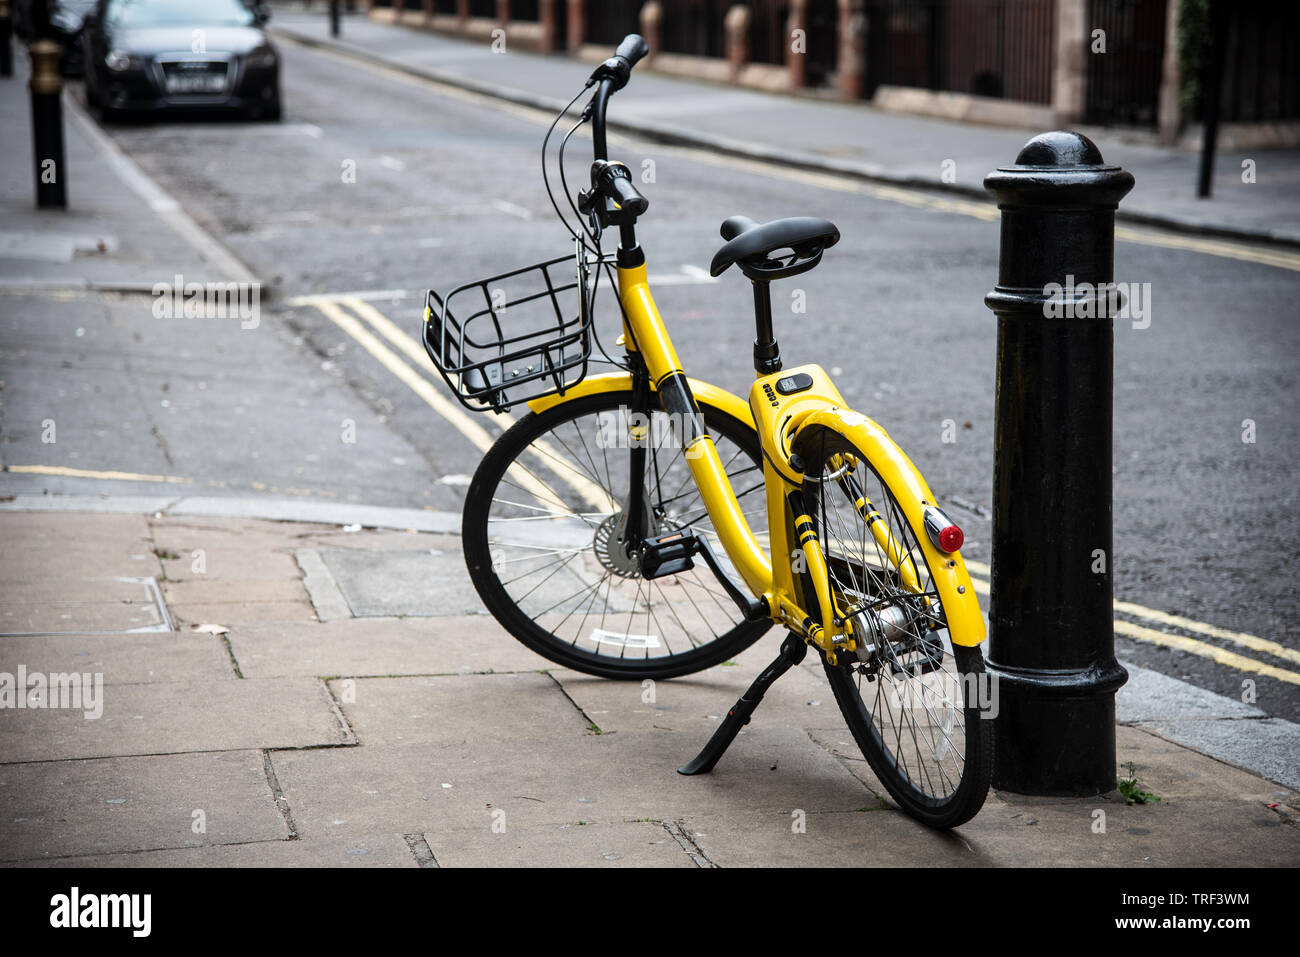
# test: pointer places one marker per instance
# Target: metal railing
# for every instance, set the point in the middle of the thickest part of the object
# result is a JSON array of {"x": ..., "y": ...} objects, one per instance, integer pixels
[{"x": 997, "y": 48}]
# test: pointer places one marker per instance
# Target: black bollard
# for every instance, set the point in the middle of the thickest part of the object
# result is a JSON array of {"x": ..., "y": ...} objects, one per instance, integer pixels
[
  {"x": 47, "y": 125},
  {"x": 6, "y": 38},
  {"x": 1051, "y": 620},
  {"x": 334, "y": 18}
]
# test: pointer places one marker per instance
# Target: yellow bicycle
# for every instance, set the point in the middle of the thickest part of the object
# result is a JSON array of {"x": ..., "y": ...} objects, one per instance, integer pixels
[{"x": 639, "y": 523}]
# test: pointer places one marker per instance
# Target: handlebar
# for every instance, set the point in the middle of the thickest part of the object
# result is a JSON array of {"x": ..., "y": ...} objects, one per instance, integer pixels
[
  {"x": 619, "y": 67},
  {"x": 612, "y": 76},
  {"x": 613, "y": 180}
]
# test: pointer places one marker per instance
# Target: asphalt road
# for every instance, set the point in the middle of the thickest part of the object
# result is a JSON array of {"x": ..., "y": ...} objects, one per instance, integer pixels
[{"x": 447, "y": 189}]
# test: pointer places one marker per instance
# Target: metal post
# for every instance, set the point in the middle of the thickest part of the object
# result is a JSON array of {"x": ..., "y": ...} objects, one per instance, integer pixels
[
  {"x": 1211, "y": 93},
  {"x": 6, "y": 38},
  {"x": 1051, "y": 624},
  {"x": 334, "y": 17},
  {"x": 47, "y": 125}
]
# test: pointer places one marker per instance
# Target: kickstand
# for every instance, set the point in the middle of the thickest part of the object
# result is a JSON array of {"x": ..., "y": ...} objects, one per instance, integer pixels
[{"x": 793, "y": 650}]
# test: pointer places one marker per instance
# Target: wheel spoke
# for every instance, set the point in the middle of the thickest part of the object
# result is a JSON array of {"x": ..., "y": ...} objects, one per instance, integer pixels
[
  {"x": 914, "y": 719},
  {"x": 559, "y": 561}
]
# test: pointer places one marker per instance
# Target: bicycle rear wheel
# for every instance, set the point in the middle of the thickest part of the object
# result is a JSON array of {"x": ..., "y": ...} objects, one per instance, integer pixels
[
  {"x": 541, "y": 544},
  {"x": 911, "y": 696}
]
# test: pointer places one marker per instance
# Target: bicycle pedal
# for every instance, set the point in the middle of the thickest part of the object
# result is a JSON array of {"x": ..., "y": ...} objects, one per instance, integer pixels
[{"x": 668, "y": 554}]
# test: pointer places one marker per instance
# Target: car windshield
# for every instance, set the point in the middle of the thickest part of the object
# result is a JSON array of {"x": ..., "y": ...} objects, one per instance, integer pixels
[{"x": 179, "y": 13}]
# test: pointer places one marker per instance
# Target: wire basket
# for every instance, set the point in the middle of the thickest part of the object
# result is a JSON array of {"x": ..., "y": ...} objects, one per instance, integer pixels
[{"x": 520, "y": 335}]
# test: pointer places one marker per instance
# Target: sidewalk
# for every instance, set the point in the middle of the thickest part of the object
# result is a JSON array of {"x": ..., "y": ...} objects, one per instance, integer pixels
[
  {"x": 836, "y": 137},
  {"x": 410, "y": 730},
  {"x": 120, "y": 231}
]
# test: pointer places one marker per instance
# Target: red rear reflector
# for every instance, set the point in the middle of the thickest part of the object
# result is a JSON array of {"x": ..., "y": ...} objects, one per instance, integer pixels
[
  {"x": 950, "y": 538},
  {"x": 942, "y": 531}
]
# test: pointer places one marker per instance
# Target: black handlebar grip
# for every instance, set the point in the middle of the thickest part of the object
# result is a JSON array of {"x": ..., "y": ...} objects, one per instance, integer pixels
[
  {"x": 633, "y": 49},
  {"x": 628, "y": 197},
  {"x": 733, "y": 226}
]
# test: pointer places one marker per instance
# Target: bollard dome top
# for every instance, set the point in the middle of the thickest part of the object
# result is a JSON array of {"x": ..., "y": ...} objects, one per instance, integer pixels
[
  {"x": 1060, "y": 150},
  {"x": 1059, "y": 168}
]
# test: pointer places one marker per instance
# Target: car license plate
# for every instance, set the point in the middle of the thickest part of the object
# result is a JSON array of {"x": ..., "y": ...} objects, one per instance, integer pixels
[{"x": 196, "y": 83}]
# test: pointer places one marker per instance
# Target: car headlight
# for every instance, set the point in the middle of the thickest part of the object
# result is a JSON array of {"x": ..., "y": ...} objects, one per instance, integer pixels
[
  {"x": 260, "y": 58},
  {"x": 117, "y": 60}
]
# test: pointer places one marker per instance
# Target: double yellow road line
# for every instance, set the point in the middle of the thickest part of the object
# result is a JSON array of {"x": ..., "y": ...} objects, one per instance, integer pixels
[{"x": 403, "y": 356}]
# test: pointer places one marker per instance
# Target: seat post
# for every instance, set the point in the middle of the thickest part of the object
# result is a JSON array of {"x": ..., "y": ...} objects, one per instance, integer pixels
[{"x": 767, "y": 355}]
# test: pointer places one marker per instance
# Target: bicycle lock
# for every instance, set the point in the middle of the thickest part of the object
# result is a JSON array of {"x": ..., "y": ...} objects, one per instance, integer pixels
[{"x": 1051, "y": 620}]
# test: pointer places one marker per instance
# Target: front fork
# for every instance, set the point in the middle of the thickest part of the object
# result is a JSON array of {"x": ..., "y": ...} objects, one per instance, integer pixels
[{"x": 632, "y": 531}]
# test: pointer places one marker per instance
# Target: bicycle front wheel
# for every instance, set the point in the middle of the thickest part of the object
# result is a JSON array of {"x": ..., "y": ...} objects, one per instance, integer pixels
[
  {"x": 542, "y": 540},
  {"x": 910, "y": 695}
]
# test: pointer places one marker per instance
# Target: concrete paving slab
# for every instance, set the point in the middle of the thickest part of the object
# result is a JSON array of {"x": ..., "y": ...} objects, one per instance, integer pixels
[
  {"x": 1270, "y": 746},
  {"x": 875, "y": 838},
  {"x": 59, "y": 809},
  {"x": 232, "y": 522},
  {"x": 628, "y": 776},
  {"x": 322, "y": 589},
  {"x": 225, "y": 563},
  {"x": 200, "y": 591},
  {"x": 162, "y": 719},
  {"x": 380, "y": 850},
  {"x": 839, "y": 742},
  {"x": 424, "y": 582},
  {"x": 696, "y": 704},
  {"x": 242, "y": 612},
  {"x": 71, "y": 606},
  {"x": 458, "y": 708},
  {"x": 239, "y": 537},
  {"x": 107, "y": 545},
  {"x": 95, "y": 590},
  {"x": 633, "y": 844},
  {"x": 380, "y": 646},
  {"x": 381, "y": 541},
  {"x": 1168, "y": 834},
  {"x": 1176, "y": 773},
  {"x": 121, "y": 659},
  {"x": 1215, "y": 834},
  {"x": 1209, "y": 815}
]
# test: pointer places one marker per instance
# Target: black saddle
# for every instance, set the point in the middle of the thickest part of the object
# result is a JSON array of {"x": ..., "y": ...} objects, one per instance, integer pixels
[{"x": 751, "y": 245}]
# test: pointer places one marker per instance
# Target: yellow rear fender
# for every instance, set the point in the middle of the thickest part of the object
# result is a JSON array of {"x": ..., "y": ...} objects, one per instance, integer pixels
[
  {"x": 706, "y": 395},
  {"x": 948, "y": 571}
]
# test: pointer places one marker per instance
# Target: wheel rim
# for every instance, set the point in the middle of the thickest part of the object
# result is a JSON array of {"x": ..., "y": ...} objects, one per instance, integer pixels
[
  {"x": 909, "y": 694},
  {"x": 555, "y": 552}
]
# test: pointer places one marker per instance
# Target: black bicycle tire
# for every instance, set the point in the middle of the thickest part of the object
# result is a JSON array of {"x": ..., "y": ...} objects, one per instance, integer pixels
[
  {"x": 977, "y": 770},
  {"x": 965, "y": 802}
]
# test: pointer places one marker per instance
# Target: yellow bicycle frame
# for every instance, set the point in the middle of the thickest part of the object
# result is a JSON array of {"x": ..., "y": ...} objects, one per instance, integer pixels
[{"x": 780, "y": 420}]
